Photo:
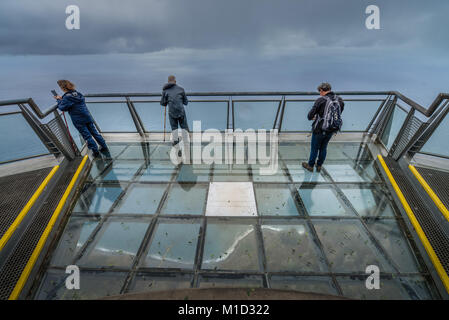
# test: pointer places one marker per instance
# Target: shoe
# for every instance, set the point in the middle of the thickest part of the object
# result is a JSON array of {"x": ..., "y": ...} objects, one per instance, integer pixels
[
  {"x": 106, "y": 152},
  {"x": 306, "y": 166},
  {"x": 318, "y": 168},
  {"x": 174, "y": 143},
  {"x": 96, "y": 154},
  {"x": 179, "y": 153}
]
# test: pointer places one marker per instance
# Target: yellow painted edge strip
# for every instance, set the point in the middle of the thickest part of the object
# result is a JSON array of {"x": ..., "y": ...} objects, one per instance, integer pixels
[
  {"x": 27, "y": 208},
  {"x": 433, "y": 257},
  {"x": 36, "y": 252},
  {"x": 430, "y": 192}
]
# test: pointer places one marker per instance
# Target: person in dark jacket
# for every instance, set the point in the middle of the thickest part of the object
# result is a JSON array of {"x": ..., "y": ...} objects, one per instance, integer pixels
[
  {"x": 320, "y": 138},
  {"x": 73, "y": 102},
  {"x": 175, "y": 97}
]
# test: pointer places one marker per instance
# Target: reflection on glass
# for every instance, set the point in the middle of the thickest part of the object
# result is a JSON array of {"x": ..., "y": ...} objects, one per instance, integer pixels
[
  {"x": 142, "y": 199},
  {"x": 394, "y": 125},
  {"x": 194, "y": 173},
  {"x": 322, "y": 202},
  {"x": 97, "y": 199},
  {"x": 160, "y": 151},
  {"x": 301, "y": 175},
  {"x": 144, "y": 282},
  {"x": 244, "y": 114},
  {"x": 294, "y": 151},
  {"x": 278, "y": 176},
  {"x": 74, "y": 237},
  {"x": 395, "y": 245},
  {"x": 291, "y": 248},
  {"x": 185, "y": 198},
  {"x": 120, "y": 122},
  {"x": 93, "y": 285},
  {"x": 230, "y": 247},
  {"x": 231, "y": 173},
  {"x": 398, "y": 288},
  {"x": 23, "y": 143},
  {"x": 369, "y": 202},
  {"x": 231, "y": 281},
  {"x": 275, "y": 200},
  {"x": 117, "y": 245},
  {"x": 347, "y": 173},
  {"x": 313, "y": 284},
  {"x": 133, "y": 153},
  {"x": 173, "y": 246},
  {"x": 347, "y": 247}
]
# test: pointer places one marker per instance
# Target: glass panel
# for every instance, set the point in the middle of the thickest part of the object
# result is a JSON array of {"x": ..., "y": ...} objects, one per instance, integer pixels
[
  {"x": 347, "y": 173},
  {"x": 93, "y": 285},
  {"x": 231, "y": 281},
  {"x": 97, "y": 199},
  {"x": 294, "y": 151},
  {"x": 244, "y": 115},
  {"x": 133, "y": 152},
  {"x": 22, "y": 143},
  {"x": 347, "y": 246},
  {"x": 358, "y": 114},
  {"x": 291, "y": 248},
  {"x": 322, "y": 285},
  {"x": 120, "y": 122},
  {"x": 369, "y": 202},
  {"x": 142, "y": 199},
  {"x": 121, "y": 171},
  {"x": 231, "y": 173},
  {"x": 194, "y": 173},
  {"x": 299, "y": 174},
  {"x": 438, "y": 143},
  {"x": 173, "y": 246},
  {"x": 230, "y": 247},
  {"x": 116, "y": 245},
  {"x": 312, "y": 199},
  {"x": 146, "y": 282},
  {"x": 160, "y": 151},
  {"x": 345, "y": 151},
  {"x": 160, "y": 171},
  {"x": 75, "y": 235},
  {"x": 295, "y": 116},
  {"x": 394, "y": 125},
  {"x": 275, "y": 200},
  {"x": 152, "y": 115},
  {"x": 402, "y": 288},
  {"x": 211, "y": 114},
  {"x": 279, "y": 176},
  {"x": 185, "y": 198},
  {"x": 392, "y": 240}
]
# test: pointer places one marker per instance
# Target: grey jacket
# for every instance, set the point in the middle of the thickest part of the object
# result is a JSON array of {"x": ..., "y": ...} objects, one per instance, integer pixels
[{"x": 175, "y": 97}]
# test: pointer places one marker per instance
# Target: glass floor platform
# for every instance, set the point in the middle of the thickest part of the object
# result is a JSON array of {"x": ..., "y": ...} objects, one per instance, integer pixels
[{"x": 144, "y": 224}]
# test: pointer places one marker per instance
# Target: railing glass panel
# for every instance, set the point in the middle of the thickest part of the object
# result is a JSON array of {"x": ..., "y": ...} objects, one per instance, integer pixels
[
  {"x": 295, "y": 116},
  {"x": 152, "y": 115},
  {"x": 393, "y": 127},
  {"x": 112, "y": 116},
  {"x": 211, "y": 114},
  {"x": 18, "y": 140},
  {"x": 255, "y": 114},
  {"x": 438, "y": 143}
]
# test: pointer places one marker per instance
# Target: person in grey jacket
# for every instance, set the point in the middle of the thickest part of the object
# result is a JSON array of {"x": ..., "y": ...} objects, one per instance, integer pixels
[{"x": 175, "y": 97}]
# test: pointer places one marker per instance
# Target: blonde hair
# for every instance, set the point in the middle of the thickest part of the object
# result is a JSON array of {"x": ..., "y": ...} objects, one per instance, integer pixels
[{"x": 65, "y": 85}]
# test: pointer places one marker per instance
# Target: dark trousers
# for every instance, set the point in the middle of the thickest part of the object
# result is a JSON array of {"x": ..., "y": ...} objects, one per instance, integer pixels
[
  {"x": 319, "y": 147},
  {"x": 182, "y": 122},
  {"x": 89, "y": 133}
]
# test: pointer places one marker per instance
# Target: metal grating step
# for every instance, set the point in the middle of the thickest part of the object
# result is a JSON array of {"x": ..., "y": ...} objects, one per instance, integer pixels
[
  {"x": 438, "y": 181},
  {"x": 15, "y": 191},
  {"x": 17, "y": 260},
  {"x": 433, "y": 230}
]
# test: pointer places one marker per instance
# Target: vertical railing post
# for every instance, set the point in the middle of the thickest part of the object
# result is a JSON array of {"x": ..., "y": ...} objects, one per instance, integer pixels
[
  {"x": 135, "y": 118},
  {"x": 282, "y": 113}
]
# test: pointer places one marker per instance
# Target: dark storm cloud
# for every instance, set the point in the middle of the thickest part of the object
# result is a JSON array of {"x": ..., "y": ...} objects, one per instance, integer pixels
[{"x": 140, "y": 26}]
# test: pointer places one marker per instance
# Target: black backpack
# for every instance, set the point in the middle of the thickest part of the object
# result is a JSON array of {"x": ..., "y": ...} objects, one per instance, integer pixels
[{"x": 332, "y": 120}]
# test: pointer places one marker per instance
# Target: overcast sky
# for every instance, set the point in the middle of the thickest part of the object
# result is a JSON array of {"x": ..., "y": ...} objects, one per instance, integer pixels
[{"x": 225, "y": 45}]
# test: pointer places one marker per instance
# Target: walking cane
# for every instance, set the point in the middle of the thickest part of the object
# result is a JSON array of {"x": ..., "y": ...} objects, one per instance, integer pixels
[{"x": 165, "y": 115}]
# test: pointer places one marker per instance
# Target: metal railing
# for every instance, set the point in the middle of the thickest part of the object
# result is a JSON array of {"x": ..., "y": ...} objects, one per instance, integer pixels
[{"x": 410, "y": 138}]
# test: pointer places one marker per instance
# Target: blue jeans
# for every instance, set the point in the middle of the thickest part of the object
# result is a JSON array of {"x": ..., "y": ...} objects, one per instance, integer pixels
[
  {"x": 319, "y": 147},
  {"x": 88, "y": 132}
]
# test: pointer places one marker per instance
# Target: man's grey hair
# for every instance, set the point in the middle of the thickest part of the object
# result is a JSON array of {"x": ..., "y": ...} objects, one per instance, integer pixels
[
  {"x": 324, "y": 87},
  {"x": 171, "y": 78}
]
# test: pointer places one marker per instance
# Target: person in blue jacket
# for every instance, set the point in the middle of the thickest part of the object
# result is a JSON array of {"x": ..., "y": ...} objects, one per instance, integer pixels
[{"x": 73, "y": 102}]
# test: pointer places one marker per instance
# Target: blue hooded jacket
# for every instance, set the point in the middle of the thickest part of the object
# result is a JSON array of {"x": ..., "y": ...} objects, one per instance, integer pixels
[{"x": 74, "y": 103}]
